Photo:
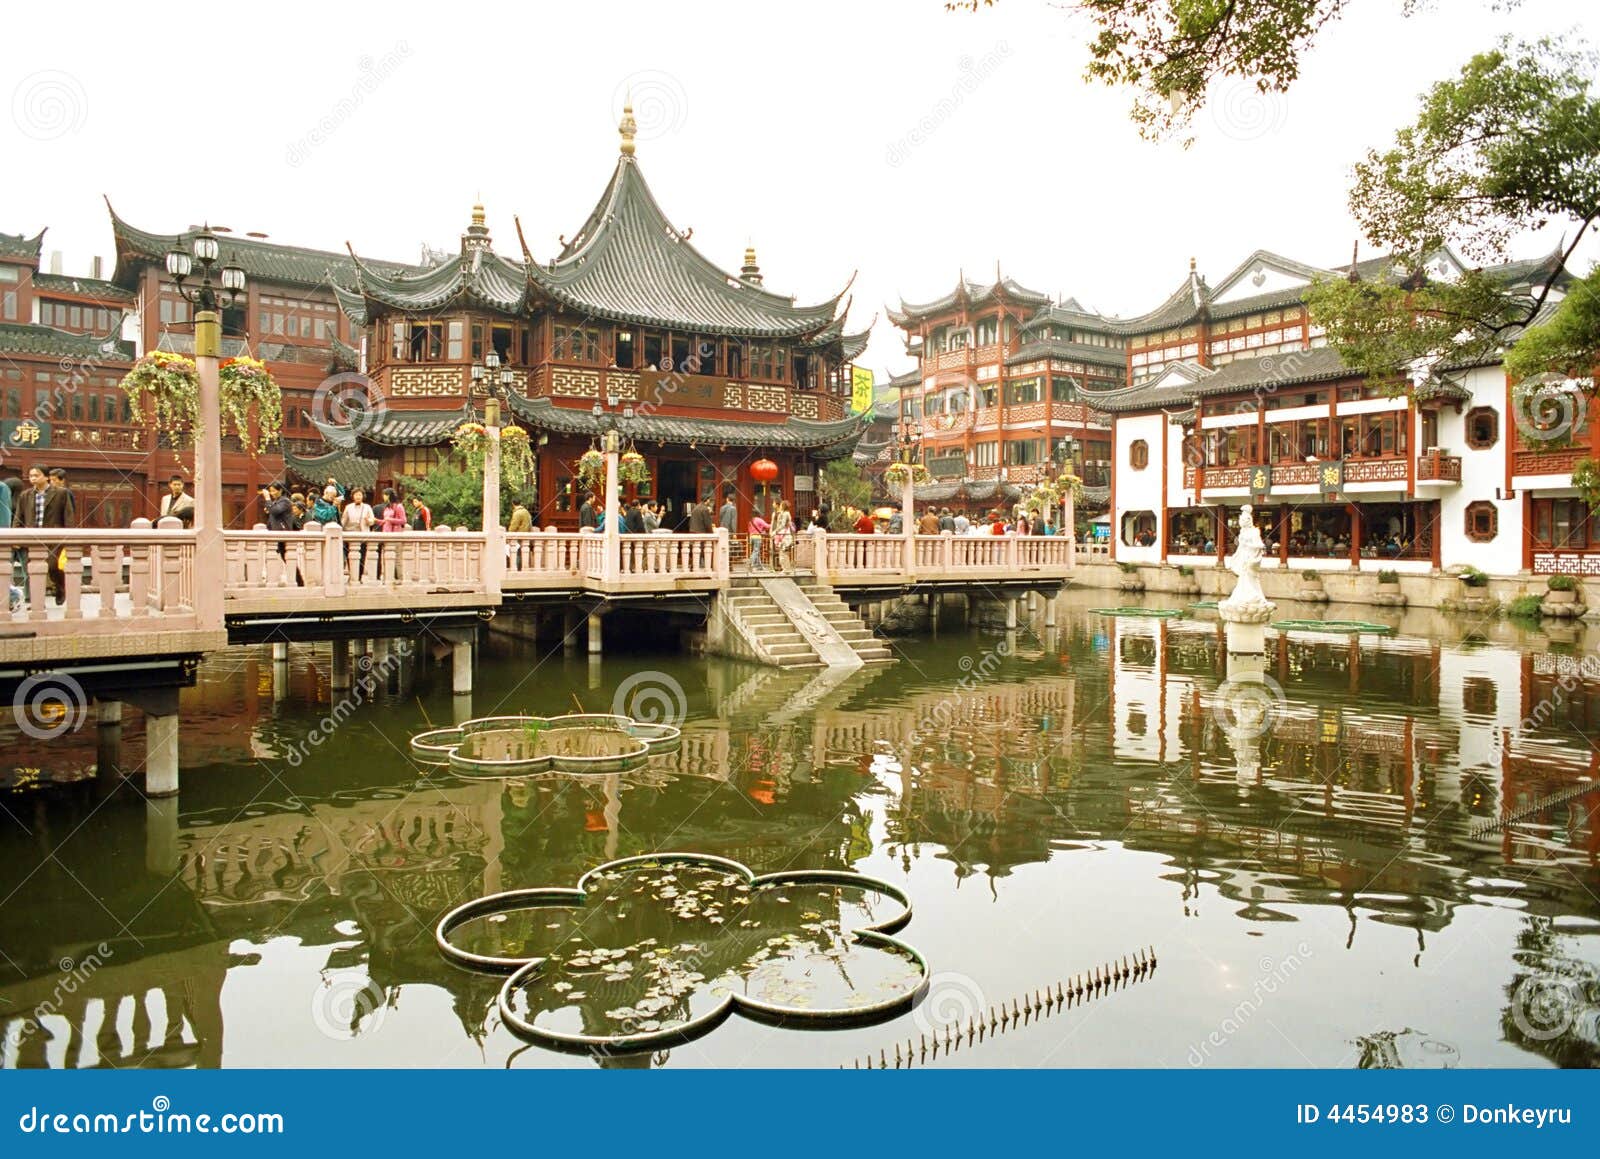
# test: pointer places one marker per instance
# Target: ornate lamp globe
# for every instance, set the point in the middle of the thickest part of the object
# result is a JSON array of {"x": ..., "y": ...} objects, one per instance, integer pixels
[
  {"x": 179, "y": 263},
  {"x": 492, "y": 360},
  {"x": 233, "y": 278},
  {"x": 206, "y": 247}
]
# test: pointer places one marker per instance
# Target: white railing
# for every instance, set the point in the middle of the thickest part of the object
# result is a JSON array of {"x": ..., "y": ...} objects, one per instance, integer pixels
[
  {"x": 326, "y": 561},
  {"x": 672, "y": 556},
  {"x": 535, "y": 557},
  {"x": 109, "y": 578}
]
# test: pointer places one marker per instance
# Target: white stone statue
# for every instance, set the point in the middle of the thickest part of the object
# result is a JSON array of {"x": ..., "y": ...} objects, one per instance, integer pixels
[{"x": 1247, "y": 603}]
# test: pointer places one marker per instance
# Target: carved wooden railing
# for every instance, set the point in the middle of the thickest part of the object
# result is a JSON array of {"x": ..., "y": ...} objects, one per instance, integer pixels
[
  {"x": 1547, "y": 462},
  {"x": 1438, "y": 467}
]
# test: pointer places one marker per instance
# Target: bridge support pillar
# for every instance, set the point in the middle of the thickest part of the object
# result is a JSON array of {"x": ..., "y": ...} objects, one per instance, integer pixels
[
  {"x": 340, "y": 679},
  {"x": 161, "y": 836},
  {"x": 161, "y": 755},
  {"x": 569, "y": 632},
  {"x": 461, "y": 667},
  {"x": 595, "y": 634},
  {"x": 1011, "y": 615},
  {"x": 108, "y": 712},
  {"x": 280, "y": 652},
  {"x": 1049, "y": 611}
]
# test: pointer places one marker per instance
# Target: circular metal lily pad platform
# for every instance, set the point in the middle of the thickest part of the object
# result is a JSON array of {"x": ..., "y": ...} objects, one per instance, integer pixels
[
  {"x": 1200, "y": 605},
  {"x": 1351, "y": 627},
  {"x": 519, "y": 746},
  {"x": 1156, "y": 613}
]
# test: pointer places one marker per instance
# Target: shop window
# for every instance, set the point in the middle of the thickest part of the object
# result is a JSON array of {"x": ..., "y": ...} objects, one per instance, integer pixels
[
  {"x": 1483, "y": 428},
  {"x": 1138, "y": 454},
  {"x": 1483, "y": 521}
]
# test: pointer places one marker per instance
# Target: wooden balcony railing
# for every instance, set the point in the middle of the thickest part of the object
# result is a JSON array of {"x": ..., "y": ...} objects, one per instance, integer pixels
[
  {"x": 1438, "y": 467},
  {"x": 1547, "y": 461}
]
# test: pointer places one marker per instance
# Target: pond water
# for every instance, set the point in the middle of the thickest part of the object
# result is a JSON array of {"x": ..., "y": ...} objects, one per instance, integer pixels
[{"x": 1405, "y": 871}]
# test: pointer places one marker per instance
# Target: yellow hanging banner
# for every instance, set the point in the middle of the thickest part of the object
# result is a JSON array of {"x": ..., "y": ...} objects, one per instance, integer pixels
[{"x": 860, "y": 389}]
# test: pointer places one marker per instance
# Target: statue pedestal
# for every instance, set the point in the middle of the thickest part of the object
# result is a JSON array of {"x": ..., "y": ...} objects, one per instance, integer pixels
[{"x": 1251, "y": 611}]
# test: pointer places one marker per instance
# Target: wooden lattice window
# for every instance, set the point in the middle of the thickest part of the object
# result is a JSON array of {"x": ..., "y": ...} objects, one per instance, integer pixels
[
  {"x": 1138, "y": 454},
  {"x": 1483, "y": 521},
  {"x": 1483, "y": 428}
]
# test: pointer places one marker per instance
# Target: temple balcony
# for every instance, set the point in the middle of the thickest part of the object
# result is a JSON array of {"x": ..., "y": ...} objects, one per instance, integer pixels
[{"x": 1547, "y": 460}]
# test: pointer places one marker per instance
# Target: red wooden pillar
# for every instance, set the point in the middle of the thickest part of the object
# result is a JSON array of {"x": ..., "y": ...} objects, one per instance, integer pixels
[{"x": 1355, "y": 534}]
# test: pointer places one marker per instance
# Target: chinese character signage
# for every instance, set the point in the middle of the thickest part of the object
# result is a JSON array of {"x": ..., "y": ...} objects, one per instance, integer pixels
[
  {"x": 25, "y": 434},
  {"x": 1260, "y": 480},
  {"x": 860, "y": 390},
  {"x": 1330, "y": 477}
]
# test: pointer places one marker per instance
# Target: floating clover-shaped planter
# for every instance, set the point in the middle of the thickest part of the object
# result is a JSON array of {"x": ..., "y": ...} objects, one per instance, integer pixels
[
  {"x": 519, "y": 746},
  {"x": 651, "y": 951}
]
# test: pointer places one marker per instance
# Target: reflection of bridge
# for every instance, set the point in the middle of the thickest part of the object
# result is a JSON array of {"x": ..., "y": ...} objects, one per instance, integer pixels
[{"x": 140, "y": 606}]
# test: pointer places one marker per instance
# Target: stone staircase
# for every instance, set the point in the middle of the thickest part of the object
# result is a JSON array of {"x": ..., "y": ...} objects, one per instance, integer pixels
[{"x": 794, "y": 623}]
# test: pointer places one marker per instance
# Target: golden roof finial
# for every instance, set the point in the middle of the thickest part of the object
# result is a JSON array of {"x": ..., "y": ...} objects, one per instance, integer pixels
[
  {"x": 628, "y": 126},
  {"x": 477, "y": 211}
]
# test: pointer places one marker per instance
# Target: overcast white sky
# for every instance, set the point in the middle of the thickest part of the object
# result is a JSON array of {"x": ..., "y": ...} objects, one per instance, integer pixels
[{"x": 887, "y": 137}]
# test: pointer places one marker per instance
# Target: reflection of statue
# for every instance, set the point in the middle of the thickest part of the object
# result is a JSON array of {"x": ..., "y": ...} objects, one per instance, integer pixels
[{"x": 1247, "y": 604}]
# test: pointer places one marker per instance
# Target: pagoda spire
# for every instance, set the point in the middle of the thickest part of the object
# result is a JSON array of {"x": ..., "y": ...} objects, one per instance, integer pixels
[
  {"x": 477, "y": 235},
  {"x": 750, "y": 272},
  {"x": 627, "y": 127}
]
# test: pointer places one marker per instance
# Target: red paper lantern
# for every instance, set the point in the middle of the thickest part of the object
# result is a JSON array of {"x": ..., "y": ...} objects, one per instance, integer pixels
[{"x": 763, "y": 470}]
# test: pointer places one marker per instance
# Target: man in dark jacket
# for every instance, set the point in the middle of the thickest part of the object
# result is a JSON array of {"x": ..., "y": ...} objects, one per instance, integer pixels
[
  {"x": 587, "y": 515},
  {"x": 45, "y": 506},
  {"x": 700, "y": 517},
  {"x": 728, "y": 517},
  {"x": 280, "y": 512},
  {"x": 633, "y": 521}
]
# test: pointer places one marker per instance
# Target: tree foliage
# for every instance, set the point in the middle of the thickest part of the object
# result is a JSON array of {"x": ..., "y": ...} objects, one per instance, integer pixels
[
  {"x": 1509, "y": 145},
  {"x": 454, "y": 494},
  {"x": 844, "y": 484}
]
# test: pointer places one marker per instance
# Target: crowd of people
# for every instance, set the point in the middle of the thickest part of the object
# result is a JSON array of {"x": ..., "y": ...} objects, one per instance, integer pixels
[{"x": 291, "y": 510}]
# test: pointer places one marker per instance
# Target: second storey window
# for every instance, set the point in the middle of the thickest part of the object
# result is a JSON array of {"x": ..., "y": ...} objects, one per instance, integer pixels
[
  {"x": 573, "y": 343},
  {"x": 1020, "y": 393},
  {"x": 770, "y": 362},
  {"x": 1138, "y": 454},
  {"x": 1483, "y": 428}
]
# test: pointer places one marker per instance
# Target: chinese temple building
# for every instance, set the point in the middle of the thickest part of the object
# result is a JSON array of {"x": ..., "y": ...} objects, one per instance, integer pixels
[{"x": 703, "y": 371}]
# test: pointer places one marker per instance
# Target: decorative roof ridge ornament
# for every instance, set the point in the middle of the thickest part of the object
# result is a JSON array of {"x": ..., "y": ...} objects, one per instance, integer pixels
[
  {"x": 750, "y": 272},
  {"x": 627, "y": 127}
]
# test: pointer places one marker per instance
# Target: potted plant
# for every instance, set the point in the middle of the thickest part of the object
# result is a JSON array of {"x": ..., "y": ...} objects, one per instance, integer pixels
[
  {"x": 632, "y": 468},
  {"x": 899, "y": 474},
  {"x": 1389, "y": 588},
  {"x": 1130, "y": 581},
  {"x": 592, "y": 468},
  {"x": 1471, "y": 577},
  {"x": 517, "y": 462},
  {"x": 249, "y": 403},
  {"x": 1563, "y": 589}
]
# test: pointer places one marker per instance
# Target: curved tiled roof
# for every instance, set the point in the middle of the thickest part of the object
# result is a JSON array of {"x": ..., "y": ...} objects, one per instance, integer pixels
[
  {"x": 476, "y": 276},
  {"x": 96, "y": 288},
  {"x": 261, "y": 260},
  {"x": 22, "y": 338},
  {"x": 15, "y": 245},
  {"x": 344, "y": 465},
  {"x": 1106, "y": 356},
  {"x": 974, "y": 293},
  {"x": 823, "y": 439},
  {"x": 629, "y": 264},
  {"x": 397, "y": 428}
]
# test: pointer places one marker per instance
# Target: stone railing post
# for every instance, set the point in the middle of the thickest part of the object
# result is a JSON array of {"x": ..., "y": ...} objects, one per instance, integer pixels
[
  {"x": 1011, "y": 556},
  {"x": 334, "y": 575},
  {"x": 820, "y": 555},
  {"x": 908, "y": 528},
  {"x": 1069, "y": 527},
  {"x": 723, "y": 555},
  {"x": 611, "y": 568},
  {"x": 947, "y": 551}
]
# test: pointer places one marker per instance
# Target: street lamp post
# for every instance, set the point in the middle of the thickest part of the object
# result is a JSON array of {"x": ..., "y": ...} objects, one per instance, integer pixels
[
  {"x": 1064, "y": 459},
  {"x": 207, "y": 299},
  {"x": 491, "y": 375},
  {"x": 908, "y": 440},
  {"x": 611, "y": 445}
]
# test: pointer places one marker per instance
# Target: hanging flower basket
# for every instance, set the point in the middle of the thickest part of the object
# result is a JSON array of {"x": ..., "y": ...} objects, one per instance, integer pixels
[
  {"x": 472, "y": 441},
  {"x": 899, "y": 474},
  {"x": 517, "y": 463},
  {"x": 167, "y": 385},
  {"x": 592, "y": 467},
  {"x": 246, "y": 390},
  {"x": 632, "y": 468},
  {"x": 1067, "y": 483}
]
